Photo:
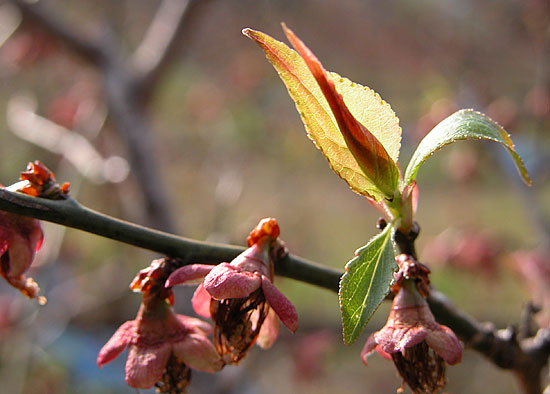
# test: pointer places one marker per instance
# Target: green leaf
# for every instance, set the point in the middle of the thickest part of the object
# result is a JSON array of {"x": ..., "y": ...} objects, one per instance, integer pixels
[
  {"x": 366, "y": 282},
  {"x": 465, "y": 124},
  {"x": 365, "y": 105}
]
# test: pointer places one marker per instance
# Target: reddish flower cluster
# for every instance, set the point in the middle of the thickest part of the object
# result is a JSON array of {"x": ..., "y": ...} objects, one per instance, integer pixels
[
  {"x": 162, "y": 345},
  {"x": 240, "y": 296},
  {"x": 416, "y": 343}
]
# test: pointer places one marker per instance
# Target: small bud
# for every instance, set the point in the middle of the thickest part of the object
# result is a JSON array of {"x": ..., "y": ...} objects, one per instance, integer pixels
[{"x": 381, "y": 224}]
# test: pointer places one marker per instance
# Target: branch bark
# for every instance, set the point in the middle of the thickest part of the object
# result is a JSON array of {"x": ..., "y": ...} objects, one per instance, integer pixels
[{"x": 72, "y": 214}]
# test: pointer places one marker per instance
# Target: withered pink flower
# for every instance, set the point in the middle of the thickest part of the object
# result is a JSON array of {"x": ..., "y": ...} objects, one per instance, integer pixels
[
  {"x": 20, "y": 239},
  {"x": 161, "y": 347},
  {"x": 240, "y": 296},
  {"x": 416, "y": 343}
]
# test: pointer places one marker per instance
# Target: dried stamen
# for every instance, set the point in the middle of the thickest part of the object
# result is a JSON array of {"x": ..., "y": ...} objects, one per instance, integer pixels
[
  {"x": 237, "y": 324},
  {"x": 421, "y": 368},
  {"x": 175, "y": 378}
]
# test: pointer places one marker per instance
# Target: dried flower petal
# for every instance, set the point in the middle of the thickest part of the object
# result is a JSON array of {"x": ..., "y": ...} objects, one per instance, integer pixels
[
  {"x": 240, "y": 296},
  {"x": 189, "y": 274},
  {"x": 20, "y": 238},
  {"x": 40, "y": 182},
  {"x": 226, "y": 281},
  {"x": 201, "y": 301},
  {"x": 417, "y": 344},
  {"x": 154, "y": 338},
  {"x": 280, "y": 304}
]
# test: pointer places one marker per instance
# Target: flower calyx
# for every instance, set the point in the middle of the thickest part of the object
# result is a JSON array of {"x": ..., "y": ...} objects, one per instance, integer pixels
[
  {"x": 152, "y": 280},
  {"x": 240, "y": 296},
  {"x": 38, "y": 181},
  {"x": 413, "y": 270}
]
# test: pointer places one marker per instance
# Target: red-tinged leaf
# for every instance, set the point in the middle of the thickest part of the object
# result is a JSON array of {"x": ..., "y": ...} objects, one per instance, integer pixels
[
  {"x": 320, "y": 123},
  {"x": 370, "y": 154}
]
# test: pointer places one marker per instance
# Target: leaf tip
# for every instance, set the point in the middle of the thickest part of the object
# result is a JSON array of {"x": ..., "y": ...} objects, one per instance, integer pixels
[{"x": 247, "y": 32}]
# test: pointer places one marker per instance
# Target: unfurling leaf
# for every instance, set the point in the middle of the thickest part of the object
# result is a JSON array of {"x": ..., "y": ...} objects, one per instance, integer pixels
[
  {"x": 366, "y": 282},
  {"x": 357, "y": 132},
  {"x": 465, "y": 124}
]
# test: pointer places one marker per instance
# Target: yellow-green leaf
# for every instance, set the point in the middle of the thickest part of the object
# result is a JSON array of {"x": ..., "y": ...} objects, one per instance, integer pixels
[
  {"x": 364, "y": 104},
  {"x": 465, "y": 124}
]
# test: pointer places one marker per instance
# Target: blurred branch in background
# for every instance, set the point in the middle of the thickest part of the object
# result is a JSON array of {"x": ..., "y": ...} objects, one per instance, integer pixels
[
  {"x": 128, "y": 86},
  {"x": 28, "y": 125},
  {"x": 157, "y": 48}
]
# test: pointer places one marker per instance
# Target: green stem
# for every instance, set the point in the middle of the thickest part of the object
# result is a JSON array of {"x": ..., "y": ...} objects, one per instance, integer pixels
[{"x": 72, "y": 214}]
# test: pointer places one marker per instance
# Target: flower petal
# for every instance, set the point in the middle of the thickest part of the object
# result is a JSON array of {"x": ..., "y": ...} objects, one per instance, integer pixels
[
  {"x": 23, "y": 237},
  {"x": 224, "y": 281},
  {"x": 198, "y": 352},
  {"x": 116, "y": 344},
  {"x": 445, "y": 343},
  {"x": 194, "y": 324},
  {"x": 381, "y": 352},
  {"x": 396, "y": 339},
  {"x": 3, "y": 243},
  {"x": 188, "y": 274},
  {"x": 145, "y": 365},
  {"x": 201, "y": 301},
  {"x": 280, "y": 304},
  {"x": 269, "y": 331},
  {"x": 368, "y": 348}
]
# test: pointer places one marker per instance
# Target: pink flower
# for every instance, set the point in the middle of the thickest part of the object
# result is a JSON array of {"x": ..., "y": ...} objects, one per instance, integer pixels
[
  {"x": 161, "y": 347},
  {"x": 240, "y": 296},
  {"x": 20, "y": 239},
  {"x": 416, "y": 343}
]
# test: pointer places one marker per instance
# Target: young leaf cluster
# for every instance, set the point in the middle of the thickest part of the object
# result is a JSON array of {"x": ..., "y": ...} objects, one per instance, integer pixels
[{"x": 359, "y": 135}]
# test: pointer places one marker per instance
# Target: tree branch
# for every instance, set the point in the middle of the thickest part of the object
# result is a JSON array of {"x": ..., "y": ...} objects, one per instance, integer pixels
[
  {"x": 40, "y": 14},
  {"x": 71, "y": 214},
  {"x": 526, "y": 357},
  {"x": 157, "y": 47}
]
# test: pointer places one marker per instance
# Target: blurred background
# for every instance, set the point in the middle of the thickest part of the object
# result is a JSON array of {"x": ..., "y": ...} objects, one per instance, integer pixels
[{"x": 210, "y": 142}]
